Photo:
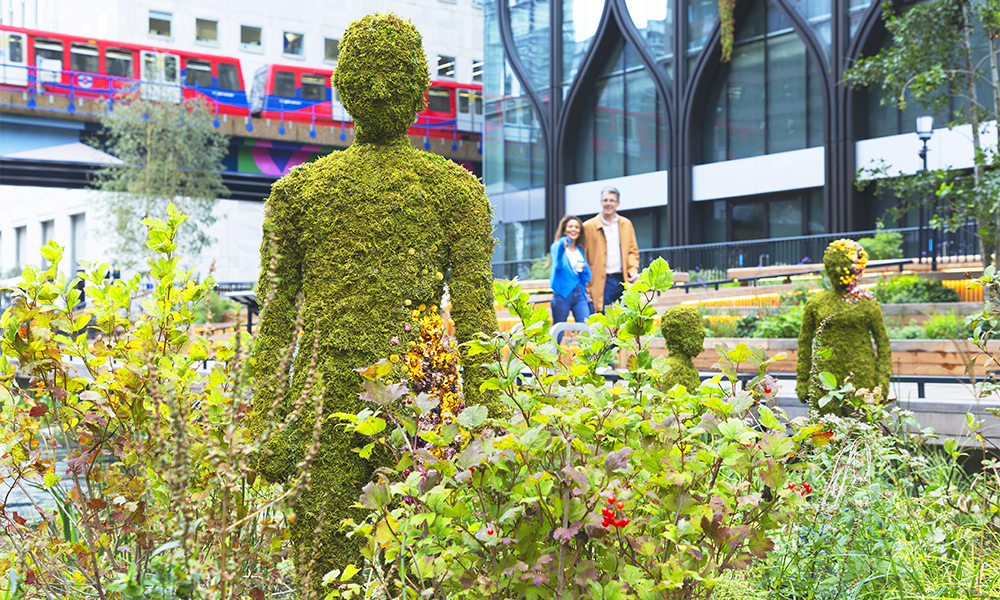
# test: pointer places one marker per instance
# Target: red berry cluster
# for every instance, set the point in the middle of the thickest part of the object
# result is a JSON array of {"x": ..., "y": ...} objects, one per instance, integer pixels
[
  {"x": 805, "y": 489},
  {"x": 609, "y": 514}
]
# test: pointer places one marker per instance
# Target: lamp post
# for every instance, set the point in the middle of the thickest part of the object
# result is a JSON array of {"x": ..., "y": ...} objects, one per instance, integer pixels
[{"x": 925, "y": 129}]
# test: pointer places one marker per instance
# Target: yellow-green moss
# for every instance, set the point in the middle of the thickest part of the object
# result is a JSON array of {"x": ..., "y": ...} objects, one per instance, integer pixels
[
  {"x": 365, "y": 235},
  {"x": 684, "y": 335},
  {"x": 854, "y": 321}
]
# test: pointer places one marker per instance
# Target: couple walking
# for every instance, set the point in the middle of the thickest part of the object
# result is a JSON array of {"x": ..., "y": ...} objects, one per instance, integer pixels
[{"x": 590, "y": 261}]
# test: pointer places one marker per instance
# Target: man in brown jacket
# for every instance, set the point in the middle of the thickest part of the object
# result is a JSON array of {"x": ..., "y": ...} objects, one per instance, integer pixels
[{"x": 612, "y": 251}]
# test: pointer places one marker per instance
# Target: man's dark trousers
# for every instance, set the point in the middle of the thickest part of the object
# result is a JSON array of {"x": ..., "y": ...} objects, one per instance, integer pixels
[{"x": 612, "y": 289}]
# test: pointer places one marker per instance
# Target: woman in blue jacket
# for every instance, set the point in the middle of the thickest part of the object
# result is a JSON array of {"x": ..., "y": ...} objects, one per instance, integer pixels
[{"x": 570, "y": 273}]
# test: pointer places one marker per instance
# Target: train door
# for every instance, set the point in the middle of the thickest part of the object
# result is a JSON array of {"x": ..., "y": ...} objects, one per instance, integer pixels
[
  {"x": 160, "y": 76},
  {"x": 13, "y": 58},
  {"x": 469, "y": 111},
  {"x": 48, "y": 61}
]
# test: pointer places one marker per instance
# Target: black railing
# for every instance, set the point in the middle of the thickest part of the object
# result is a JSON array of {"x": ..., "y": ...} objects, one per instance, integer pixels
[{"x": 715, "y": 259}]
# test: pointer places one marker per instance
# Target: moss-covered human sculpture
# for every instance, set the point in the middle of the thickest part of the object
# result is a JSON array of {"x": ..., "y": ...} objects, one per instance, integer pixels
[
  {"x": 365, "y": 236},
  {"x": 850, "y": 318},
  {"x": 684, "y": 334}
]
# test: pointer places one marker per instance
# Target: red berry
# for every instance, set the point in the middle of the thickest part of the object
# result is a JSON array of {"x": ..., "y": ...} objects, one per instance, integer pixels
[
  {"x": 611, "y": 500},
  {"x": 623, "y": 522},
  {"x": 472, "y": 469},
  {"x": 620, "y": 506},
  {"x": 489, "y": 532},
  {"x": 767, "y": 390}
]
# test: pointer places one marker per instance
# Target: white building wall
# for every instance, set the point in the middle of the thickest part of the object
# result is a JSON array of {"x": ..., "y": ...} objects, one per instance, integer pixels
[
  {"x": 947, "y": 149},
  {"x": 449, "y": 28},
  {"x": 235, "y": 255}
]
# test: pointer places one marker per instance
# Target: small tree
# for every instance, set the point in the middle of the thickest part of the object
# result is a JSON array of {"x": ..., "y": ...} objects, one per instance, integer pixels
[
  {"x": 170, "y": 153},
  {"x": 933, "y": 58}
]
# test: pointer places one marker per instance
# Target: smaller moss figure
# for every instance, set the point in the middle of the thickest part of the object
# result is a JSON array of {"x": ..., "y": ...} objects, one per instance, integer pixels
[
  {"x": 851, "y": 318},
  {"x": 684, "y": 333}
]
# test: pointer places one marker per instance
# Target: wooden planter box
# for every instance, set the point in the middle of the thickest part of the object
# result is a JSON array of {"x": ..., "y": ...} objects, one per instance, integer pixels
[{"x": 909, "y": 357}]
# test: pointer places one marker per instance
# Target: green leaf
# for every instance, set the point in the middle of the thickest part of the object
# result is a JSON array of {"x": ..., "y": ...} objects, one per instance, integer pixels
[
  {"x": 732, "y": 429},
  {"x": 349, "y": 572},
  {"x": 473, "y": 416},
  {"x": 535, "y": 438},
  {"x": 827, "y": 380},
  {"x": 767, "y": 418}
]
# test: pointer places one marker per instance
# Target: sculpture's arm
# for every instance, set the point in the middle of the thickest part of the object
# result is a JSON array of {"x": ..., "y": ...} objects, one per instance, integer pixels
[
  {"x": 471, "y": 285},
  {"x": 803, "y": 364},
  {"x": 277, "y": 289},
  {"x": 883, "y": 350}
]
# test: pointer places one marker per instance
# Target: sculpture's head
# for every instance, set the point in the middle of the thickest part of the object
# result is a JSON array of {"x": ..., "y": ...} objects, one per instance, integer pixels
[
  {"x": 381, "y": 76},
  {"x": 683, "y": 331},
  {"x": 845, "y": 261}
]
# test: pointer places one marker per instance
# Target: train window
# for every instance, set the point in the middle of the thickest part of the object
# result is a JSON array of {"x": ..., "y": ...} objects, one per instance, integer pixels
[
  {"x": 477, "y": 100},
  {"x": 463, "y": 101},
  {"x": 313, "y": 87},
  {"x": 15, "y": 49},
  {"x": 439, "y": 100},
  {"x": 199, "y": 73},
  {"x": 84, "y": 58},
  {"x": 284, "y": 84},
  {"x": 118, "y": 62},
  {"x": 46, "y": 48},
  {"x": 229, "y": 78},
  {"x": 170, "y": 69}
]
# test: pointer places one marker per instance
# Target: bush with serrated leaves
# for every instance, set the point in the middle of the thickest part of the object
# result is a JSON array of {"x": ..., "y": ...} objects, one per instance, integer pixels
[{"x": 592, "y": 488}]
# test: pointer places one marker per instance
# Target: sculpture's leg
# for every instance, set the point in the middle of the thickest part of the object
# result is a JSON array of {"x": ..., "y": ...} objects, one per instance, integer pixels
[{"x": 336, "y": 478}]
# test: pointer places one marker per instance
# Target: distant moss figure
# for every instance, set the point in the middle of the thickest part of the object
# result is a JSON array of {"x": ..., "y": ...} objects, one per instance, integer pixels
[
  {"x": 683, "y": 332},
  {"x": 365, "y": 236},
  {"x": 853, "y": 318}
]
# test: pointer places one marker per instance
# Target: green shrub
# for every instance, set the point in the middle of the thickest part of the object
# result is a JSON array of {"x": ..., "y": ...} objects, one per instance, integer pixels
[
  {"x": 214, "y": 309},
  {"x": 946, "y": 327},
  {"x": 512, "y": 507},
  {"x": 884, "y": 246},
  {"x": 797, "y": 296},
  {"x": 540, "y": 268},
  {"x": 156, "y": 499},
  {"x": 785, "y": 324},
  {"x": 747, "y": 326},
  {"x": 907, "y": 332},
  {"x": 911, "y": 289}
]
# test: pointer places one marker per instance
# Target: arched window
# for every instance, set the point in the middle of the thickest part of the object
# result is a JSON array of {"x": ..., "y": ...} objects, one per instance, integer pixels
[
  {"x": 623, "y": 129},
  {"x": 768, "y": 98}
]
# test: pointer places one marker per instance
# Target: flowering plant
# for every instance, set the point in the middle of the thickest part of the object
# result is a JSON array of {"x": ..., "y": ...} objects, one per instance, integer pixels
[{"x": 590, "y": 489}]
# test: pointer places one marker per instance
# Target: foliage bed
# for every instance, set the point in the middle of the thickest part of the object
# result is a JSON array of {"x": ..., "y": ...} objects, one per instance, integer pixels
[{"x": 586, "y": 491}]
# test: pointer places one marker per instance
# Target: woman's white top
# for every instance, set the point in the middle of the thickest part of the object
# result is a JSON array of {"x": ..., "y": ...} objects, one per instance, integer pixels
[{"x": 576, "y": 259}]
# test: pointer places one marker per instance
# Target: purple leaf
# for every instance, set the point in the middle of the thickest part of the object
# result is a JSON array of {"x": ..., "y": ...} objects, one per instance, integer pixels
[{"x": 617, "y": 460}]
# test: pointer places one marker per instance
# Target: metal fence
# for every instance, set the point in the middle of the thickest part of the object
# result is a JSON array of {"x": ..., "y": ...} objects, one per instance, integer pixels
[{"x": 715, "y": 259}]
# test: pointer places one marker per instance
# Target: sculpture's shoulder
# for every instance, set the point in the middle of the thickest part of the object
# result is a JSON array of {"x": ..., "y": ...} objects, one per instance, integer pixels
[
  {"x": 442, "y": 173},
  {"x": 297, "y": 181}
]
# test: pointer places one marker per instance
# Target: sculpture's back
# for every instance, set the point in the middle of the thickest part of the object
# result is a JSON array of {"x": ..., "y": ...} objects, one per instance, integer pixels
[
  {"x": 684, "y": 336},
  {"x": 845, "y": 319},
  {"x": 366, "y": 236}
]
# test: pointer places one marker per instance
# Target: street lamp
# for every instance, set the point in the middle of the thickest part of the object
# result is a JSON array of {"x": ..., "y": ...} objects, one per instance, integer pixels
[{"x": 925, "y": 129}]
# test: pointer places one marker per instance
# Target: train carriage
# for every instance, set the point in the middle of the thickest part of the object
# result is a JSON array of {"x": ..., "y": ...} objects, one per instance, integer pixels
[
  {"x": 304, "y": 94},
  {"x": 81, "y": 67}
]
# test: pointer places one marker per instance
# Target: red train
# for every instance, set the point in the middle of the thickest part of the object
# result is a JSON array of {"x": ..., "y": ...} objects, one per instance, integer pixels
[{"x": 80, "y": 67}]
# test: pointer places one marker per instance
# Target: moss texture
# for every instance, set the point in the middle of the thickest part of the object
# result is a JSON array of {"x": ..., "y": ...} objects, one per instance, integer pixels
[
  {"x": 364, "y": 235},
  {"x": 853, "y": 319},
  {"x": 684, "y": 335}
]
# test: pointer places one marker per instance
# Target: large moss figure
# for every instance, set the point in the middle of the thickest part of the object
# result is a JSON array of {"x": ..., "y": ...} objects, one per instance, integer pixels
[
  {"x": 684, "y": 335},
  {"x": 844, "y": 319},
  {"x": 363, "y": 237}
]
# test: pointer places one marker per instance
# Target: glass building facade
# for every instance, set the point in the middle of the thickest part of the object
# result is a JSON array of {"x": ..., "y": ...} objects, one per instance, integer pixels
[{"x": 632, "y": 93}]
